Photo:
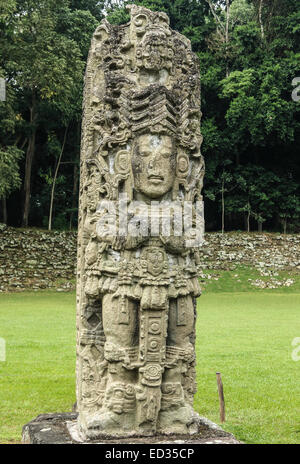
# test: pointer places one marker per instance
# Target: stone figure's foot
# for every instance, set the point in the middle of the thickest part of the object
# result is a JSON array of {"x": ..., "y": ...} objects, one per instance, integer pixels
[
  {"x": 117, "y": 416},
  {"x": 180, "y": 420},
  {"x": 107, "y": 423}
]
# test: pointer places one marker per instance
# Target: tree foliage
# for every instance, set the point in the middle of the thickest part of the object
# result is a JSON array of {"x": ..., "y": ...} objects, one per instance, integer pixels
[{"x": 249, "y": 55}]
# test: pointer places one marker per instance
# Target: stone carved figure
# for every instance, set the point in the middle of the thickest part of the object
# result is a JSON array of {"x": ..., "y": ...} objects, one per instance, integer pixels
[{"x": 137, "y": 290}]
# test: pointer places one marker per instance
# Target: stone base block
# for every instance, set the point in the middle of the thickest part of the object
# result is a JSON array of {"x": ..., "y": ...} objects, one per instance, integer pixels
[{"x": 62, "y": 429}]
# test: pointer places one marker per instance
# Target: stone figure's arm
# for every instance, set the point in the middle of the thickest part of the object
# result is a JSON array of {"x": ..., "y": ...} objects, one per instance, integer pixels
[
  {"x": 134, "y": 242},
  {"x": 180, "y": 245},
  {"x": 107, "y": 231},
  {"x": 174, "y": 244}
]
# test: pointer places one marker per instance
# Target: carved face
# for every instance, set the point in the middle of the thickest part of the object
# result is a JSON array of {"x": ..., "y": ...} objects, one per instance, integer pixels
[
  {"x": 153, "y": 165},
  {"x": 154, "y": 260}
]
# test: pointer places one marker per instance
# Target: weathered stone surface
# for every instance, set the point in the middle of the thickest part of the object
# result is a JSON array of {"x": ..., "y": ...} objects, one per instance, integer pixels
[
  {"x": 63, "y": 429},
  {"x": 268, "y": 253},
  {"x": 137, "y": 286},
  {"x": 33, "y": 260},
  {"x": 276, "y": 251},
  {"x": 56, "y": 256},
  {"x": 48, "y": 429}
]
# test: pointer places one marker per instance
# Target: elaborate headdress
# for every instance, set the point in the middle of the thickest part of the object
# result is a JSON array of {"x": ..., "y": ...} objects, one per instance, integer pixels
[{"x": 146, "y": 81}]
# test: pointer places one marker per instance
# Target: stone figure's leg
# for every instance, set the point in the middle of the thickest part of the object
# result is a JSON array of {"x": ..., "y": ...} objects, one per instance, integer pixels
[
  {"x": 121, "y": 337},
  {"x": 118, "y": 411},
  {"x": 181, "y": 322},
  {"x": 176, "y": 411}
]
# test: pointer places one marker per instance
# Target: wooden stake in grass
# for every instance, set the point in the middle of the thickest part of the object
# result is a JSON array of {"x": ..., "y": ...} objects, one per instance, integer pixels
[{"x": 221, "y": 397}]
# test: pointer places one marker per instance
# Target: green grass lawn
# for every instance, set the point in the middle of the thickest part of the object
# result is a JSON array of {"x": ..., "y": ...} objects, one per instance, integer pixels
[
  {"x": 246, "y": 336},
  {"x": 39, "y": 373}
]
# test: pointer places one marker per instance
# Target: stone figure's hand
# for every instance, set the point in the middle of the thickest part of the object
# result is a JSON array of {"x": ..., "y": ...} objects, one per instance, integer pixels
[
  {"x": 133, "y": 243},
  {"x": 106, "y": 228},
  {"x": 173, "y": 244},
  {"x": 194, "y": 237}
]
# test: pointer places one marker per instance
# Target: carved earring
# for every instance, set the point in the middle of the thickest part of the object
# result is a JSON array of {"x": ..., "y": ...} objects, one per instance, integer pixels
[{"x": 122, "y": 168}]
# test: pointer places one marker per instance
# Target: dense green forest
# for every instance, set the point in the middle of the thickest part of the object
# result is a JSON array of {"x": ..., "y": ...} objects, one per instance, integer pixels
[{"x": 249, "y": 59}]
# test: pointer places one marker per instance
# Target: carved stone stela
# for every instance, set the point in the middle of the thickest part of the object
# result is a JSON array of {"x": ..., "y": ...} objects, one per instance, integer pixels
[{"x": 136, "y": 295}]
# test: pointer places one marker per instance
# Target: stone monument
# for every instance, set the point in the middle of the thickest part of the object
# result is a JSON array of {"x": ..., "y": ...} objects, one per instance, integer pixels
[{"x": 139, "y": 229}]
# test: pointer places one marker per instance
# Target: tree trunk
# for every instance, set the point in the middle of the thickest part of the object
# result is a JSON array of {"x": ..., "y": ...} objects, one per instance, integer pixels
[
  {"x": 260, "y": 19},
  {"x": 284, "y": 226},
  {"x": 259, "y": 227},
  {"x": 245, "y": 221},
  {"x": 28, "y": 163},
  {"x": 27, "y": 180},
  {"x": 54, "y": 179},
  {"x": 75, "y": 191},
  {"x": 223, "y": 30},
  {"x": 227, "y": 34},
  {"x": 248, "y": 218},
  {"x": 223, "y": 208},
  {"x": 4, "y": 210}
]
